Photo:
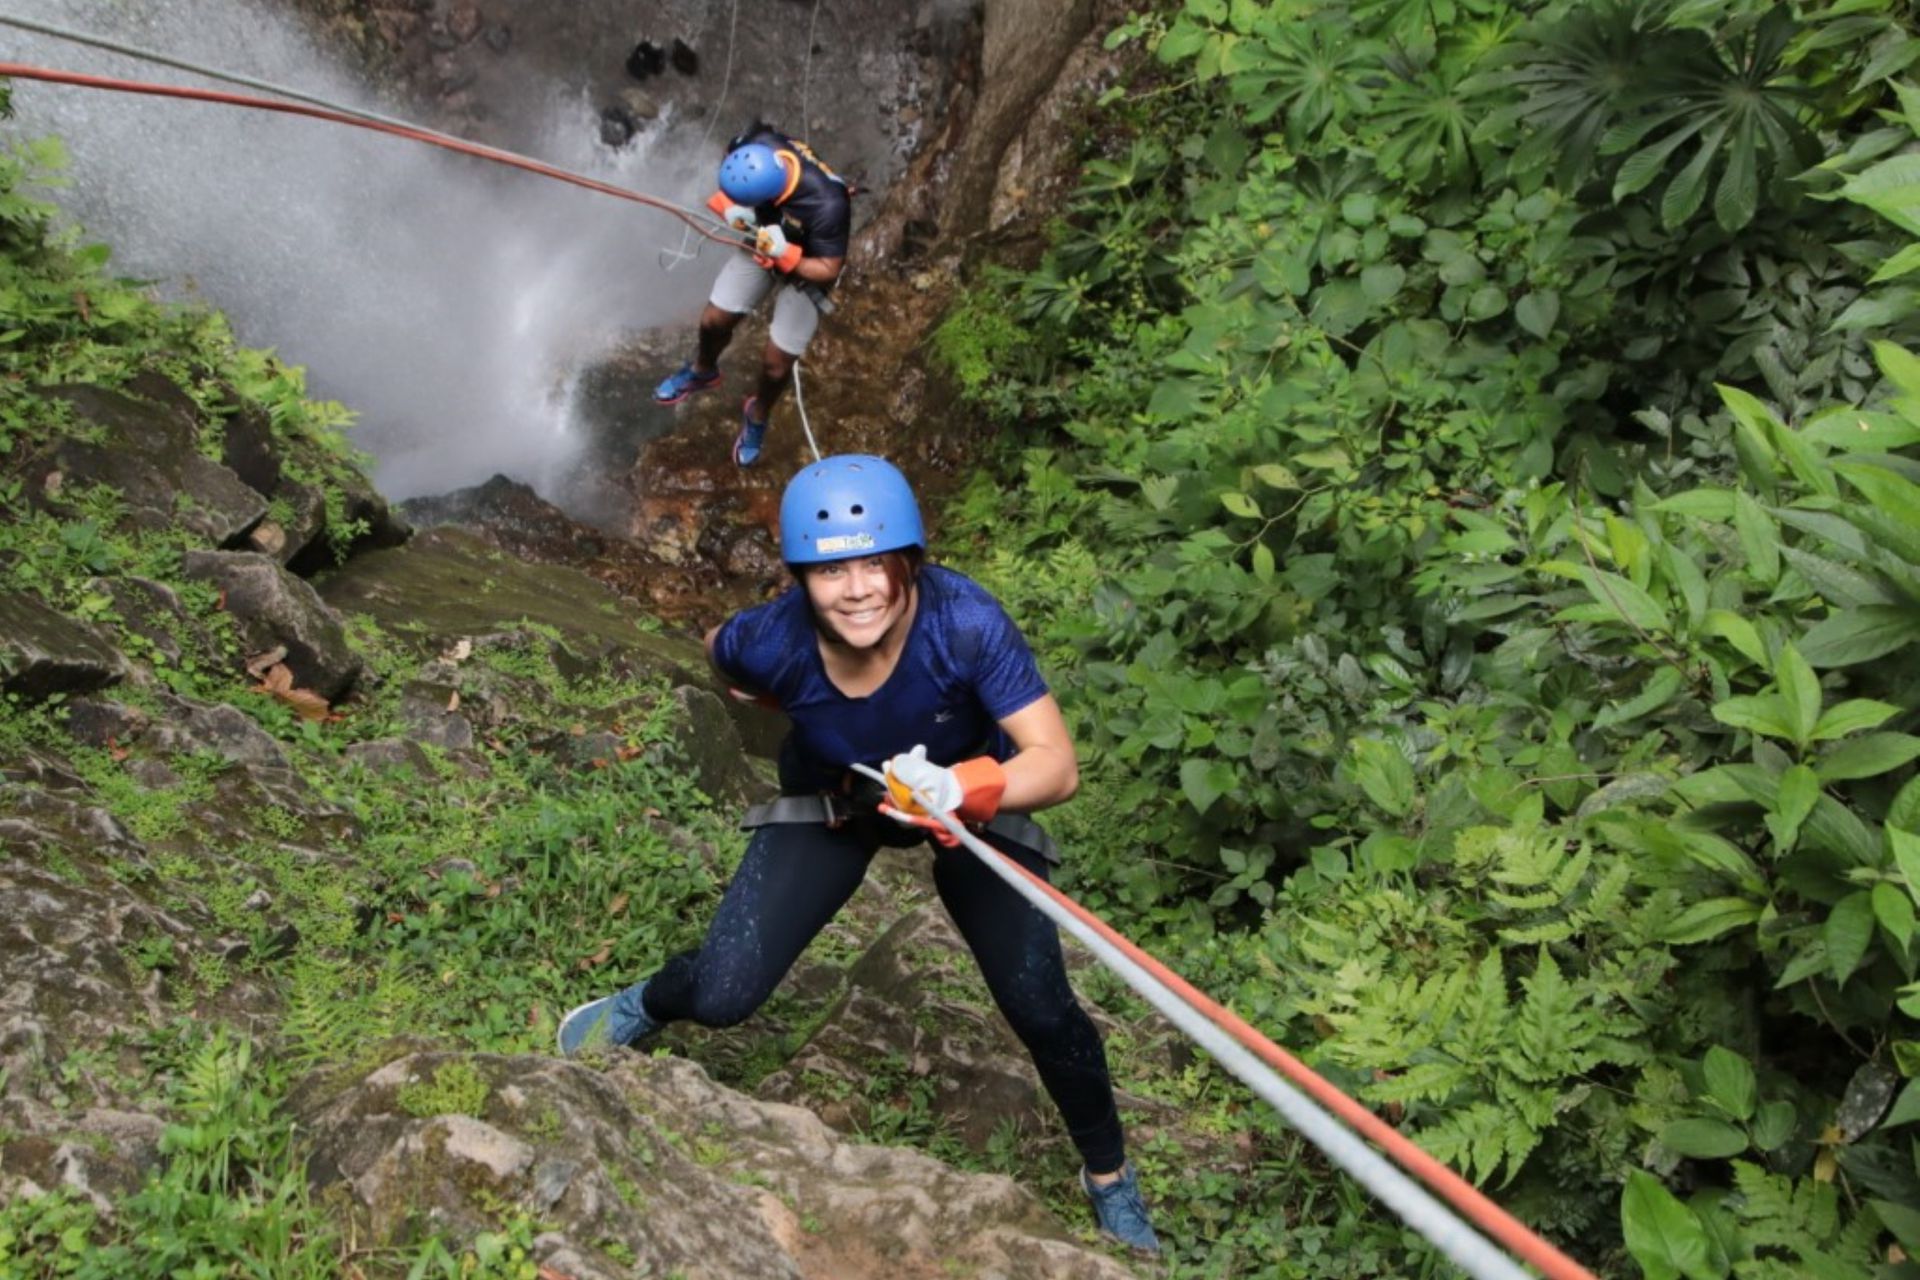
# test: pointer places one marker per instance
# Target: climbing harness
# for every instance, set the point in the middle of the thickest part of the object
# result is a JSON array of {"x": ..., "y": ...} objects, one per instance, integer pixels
[
  {"x": 833, "y": 810},
  {"x": 1305, "y": 1102}
]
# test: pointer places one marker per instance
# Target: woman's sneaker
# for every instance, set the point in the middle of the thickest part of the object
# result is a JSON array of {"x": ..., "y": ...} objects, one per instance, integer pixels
[
  {"x": 746, "y": 445},
  {"x": 611, "y": 1020},
  {"x": 1120, "y": 1211},
  {"x": 682, "y": 383}
]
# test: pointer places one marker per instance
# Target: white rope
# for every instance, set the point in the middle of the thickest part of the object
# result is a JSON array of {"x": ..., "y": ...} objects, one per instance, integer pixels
[
  {"x": 1441, "y": 1226},
  {"x": 800, "y": 402},
  {"x": 668, "y": 259}
]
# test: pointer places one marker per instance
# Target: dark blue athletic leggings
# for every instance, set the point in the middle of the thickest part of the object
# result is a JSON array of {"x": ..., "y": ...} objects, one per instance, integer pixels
[{"x": 795, "y": 877}]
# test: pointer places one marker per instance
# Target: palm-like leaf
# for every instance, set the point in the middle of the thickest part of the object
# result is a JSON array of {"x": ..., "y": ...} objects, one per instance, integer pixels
[
  {"x": 1737, "y": 102},
  {"x": 1312, "y": 70},
  {"x": 1572, "y": 80}
]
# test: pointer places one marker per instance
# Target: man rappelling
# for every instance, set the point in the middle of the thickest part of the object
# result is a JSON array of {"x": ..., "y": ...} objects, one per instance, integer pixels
[{"x": 797, "y": 212}]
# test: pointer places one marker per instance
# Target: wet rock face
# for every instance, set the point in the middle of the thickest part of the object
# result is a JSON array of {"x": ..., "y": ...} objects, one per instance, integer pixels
[
  {"x": 275, "y": 609},
  {"x": 43, "y": 652},
  {"x": 145, "y": 444},
  {"x": 649, "y": 1167}
]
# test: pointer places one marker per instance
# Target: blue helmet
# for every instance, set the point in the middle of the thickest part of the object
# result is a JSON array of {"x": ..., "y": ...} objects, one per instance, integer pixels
[
  {"x": 851, "y": 505},
  {"x": 753, "y": 174}
]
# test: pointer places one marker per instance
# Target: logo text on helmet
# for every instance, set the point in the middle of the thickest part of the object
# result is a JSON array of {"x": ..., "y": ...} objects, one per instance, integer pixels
[{"x": 844, "y": 542}]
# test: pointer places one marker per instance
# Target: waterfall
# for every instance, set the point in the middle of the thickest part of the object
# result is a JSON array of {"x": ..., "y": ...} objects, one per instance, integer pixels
[{"x": 453, "y": 304}]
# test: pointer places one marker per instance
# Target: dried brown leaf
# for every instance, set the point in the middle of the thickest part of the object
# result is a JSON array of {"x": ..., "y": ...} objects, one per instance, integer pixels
[
  {"x": 618, "y": 904},
  {"x": 260, "y": 663},
  {"x": 306, "y": 704},
  {"x": 453, "y": 700}
]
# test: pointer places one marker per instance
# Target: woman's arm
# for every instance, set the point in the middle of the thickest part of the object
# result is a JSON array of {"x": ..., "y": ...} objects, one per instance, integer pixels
[
  {"x": 733, "y": 685},
  {"x": 1044, "y": 770}
]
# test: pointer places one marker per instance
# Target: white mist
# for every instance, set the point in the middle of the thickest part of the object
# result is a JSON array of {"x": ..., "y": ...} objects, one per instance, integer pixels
[{"x": 450, "y": 302}]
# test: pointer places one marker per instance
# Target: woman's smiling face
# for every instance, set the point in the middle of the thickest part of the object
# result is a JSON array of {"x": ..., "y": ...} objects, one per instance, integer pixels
[{"x": 855, "y": 600}]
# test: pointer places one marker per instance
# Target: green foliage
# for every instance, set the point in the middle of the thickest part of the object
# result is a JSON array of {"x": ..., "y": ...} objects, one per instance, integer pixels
[
  {"x": 457, "y": 1089},
  {"x": 1497, "y": 431}
]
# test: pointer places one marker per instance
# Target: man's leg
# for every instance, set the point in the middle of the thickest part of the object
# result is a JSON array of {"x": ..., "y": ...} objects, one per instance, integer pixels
[
  {"x": 716, "y": 331},
  {"x": 776, "y": 366},
  {"x": 737, "y": 290}
]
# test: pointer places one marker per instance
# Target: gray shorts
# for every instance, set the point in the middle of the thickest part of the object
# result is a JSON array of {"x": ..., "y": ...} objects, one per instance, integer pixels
[{"x": 741, "y": 286}]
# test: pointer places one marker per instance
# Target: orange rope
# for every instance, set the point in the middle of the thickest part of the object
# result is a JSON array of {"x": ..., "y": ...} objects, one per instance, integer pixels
[
  {"x": 450, "y": 143},
  {"x": 1502, "y": 1226}
]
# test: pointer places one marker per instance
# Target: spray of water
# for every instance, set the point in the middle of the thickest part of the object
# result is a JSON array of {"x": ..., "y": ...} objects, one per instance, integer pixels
[{"x": 451, "y": 303}]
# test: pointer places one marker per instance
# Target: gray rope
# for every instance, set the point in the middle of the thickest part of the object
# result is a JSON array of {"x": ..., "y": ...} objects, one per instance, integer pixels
[
  {"x": 180, "y": 64},
  {"x": 800, "y": 401}
]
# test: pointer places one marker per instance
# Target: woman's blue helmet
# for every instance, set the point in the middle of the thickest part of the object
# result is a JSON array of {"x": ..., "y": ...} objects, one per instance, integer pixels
[
  {"x": 850, "y": 505},
  {"x": 752, "y": 174}
]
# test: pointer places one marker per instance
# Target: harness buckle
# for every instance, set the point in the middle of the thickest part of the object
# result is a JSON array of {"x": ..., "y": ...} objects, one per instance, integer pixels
[{"x": 838, "y": 808}]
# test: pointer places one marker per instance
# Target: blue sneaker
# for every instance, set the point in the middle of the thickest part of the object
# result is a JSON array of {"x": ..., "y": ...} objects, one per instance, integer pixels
[
  {"x": 1121, "y": 1213},
  {"x": 746, "y": 445},
  {"x": 682, "y": 383},
  {"x": 610, "y": 1020}
]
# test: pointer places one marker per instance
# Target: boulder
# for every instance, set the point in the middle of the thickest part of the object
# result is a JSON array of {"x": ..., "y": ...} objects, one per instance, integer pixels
[
  {"x": 651, "y": 1168},
  {"x": 43, "y": 652},
  {"x": 149, "y": 450},
  {"x": 185, "y": 725},
  {"x": 707, "y": 738},
  {"x": 274, "y": 608},
  {"x": 286, "y": 471},
  {"x": 150, "y": 613},
  {"x": 79, "y": 948}
]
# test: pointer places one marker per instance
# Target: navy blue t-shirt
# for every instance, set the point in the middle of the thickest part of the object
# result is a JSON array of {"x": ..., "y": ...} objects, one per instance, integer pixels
[{"x": 964, "y": 668}]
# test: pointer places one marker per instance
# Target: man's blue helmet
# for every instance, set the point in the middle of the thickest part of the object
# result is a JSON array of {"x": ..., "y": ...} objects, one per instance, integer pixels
[
  {"x": 753, "y": 174},
  {"x": 845, "y": 506}
]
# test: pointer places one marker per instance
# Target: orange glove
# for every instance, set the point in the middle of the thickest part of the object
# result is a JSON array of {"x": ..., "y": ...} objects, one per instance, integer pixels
[
  {"x": 774, "y": 249},
  {"x": 720, "y": 202},
  {"x": 970, "y": 790}
]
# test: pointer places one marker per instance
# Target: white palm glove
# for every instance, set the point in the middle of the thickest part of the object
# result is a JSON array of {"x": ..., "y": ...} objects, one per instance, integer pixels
[
  {"x": 740, "y": 218},
  {"x": 911, "y": 771},
  {"x": 970, "y": 790},
  {"x": 770, "y": 242}
]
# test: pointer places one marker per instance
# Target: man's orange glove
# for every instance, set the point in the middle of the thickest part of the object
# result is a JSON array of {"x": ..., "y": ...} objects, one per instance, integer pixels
[{"x": 970, "y": 790}]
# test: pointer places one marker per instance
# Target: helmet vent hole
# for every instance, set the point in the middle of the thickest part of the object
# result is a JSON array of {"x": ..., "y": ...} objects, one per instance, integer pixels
[
  {"x": 821, "y": 515},
  {"x": 859, "y": 510}
]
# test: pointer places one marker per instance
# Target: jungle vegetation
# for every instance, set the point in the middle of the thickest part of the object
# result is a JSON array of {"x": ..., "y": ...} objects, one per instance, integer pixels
[{"x": 1460, "y": 467}]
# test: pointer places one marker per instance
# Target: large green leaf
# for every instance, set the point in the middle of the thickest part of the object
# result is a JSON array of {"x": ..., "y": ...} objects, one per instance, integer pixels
[
  {"x": 1800, "y": 695},
  {"x": 1705, "y": 921},
  {"x": 1205, "y": 781},
  {"x": 1662, "y": 1234},
  {"x": 1383, "y": 773},
  {"x": 1867, "y": 757},
  {"x": 1704, "y": 1139},
  {"x": 1852, "y": 716},
  {"x": 1860, "y": 635},
  {"x": 1730, "y": 1081},
  {"x": 1848, "y": 933},
  {"x": 1620, "y": 598}
]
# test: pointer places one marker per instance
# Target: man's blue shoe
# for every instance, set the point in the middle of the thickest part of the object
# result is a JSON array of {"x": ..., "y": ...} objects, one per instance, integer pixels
[
  {"x": 682, "y": 383},
  {"x": 611, "y": 1020},
  {"x": 746, "y": 445},
  {"x": 1120, "y": 1211}
]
